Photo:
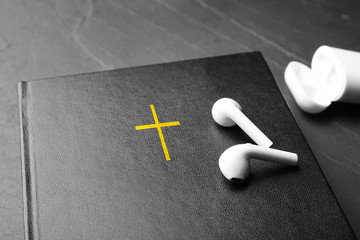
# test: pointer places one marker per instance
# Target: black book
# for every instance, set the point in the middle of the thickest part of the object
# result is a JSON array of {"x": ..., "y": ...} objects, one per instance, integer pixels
[{"x": 133, "y": 154}]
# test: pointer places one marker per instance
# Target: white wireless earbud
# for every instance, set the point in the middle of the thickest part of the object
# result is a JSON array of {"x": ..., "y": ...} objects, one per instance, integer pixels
[
  {"x": 234, "y": 162},
  {"x": 227, "y": 112}
]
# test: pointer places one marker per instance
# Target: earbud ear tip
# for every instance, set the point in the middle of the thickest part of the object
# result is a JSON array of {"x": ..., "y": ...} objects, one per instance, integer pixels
[
  {"x": 222, "y": 120},
  {"x": 219, "y": 113},
  {"x": 233, "y": 165}
]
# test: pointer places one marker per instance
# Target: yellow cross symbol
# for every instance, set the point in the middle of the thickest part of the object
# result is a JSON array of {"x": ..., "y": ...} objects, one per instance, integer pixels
[{"x": 158, "y": 126}]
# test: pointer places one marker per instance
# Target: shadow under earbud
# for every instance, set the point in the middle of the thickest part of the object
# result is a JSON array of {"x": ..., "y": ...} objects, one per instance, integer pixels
[
  {"x": 260, "y": 176},
  {"x": 237, "y": 185}
]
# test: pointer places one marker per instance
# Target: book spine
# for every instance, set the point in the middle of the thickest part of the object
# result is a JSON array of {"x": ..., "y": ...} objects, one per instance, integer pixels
[{"x": 27, "y": 164}]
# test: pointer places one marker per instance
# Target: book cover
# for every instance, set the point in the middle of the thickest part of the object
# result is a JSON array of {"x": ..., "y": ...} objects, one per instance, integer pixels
[{"x": 133, "y": 154}]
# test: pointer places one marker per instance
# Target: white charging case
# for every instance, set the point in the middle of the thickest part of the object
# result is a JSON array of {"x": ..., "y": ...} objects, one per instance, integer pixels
[{"x": 334, "y": 76}]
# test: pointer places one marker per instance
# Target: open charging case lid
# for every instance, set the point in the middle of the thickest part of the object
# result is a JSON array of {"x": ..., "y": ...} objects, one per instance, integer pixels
[{"x": 334, "y": 76}]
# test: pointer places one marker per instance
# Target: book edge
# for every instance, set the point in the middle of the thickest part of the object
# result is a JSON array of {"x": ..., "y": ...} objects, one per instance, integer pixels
[{"x": 26, "y": 164}]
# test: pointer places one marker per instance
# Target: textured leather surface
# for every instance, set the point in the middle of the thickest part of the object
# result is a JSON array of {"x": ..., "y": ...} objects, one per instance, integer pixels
[{"x": 88, "y": 174}]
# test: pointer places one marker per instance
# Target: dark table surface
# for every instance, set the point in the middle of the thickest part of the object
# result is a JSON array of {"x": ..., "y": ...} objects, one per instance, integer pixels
[{"x": 45, "y": 38}]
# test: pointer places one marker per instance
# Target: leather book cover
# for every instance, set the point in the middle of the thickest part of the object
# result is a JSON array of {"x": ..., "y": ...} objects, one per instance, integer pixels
[{"x": 133, "y": 154}]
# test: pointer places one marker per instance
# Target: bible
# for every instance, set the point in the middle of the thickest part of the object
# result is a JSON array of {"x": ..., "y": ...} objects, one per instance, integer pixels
[{"x": 133, "y": 154}]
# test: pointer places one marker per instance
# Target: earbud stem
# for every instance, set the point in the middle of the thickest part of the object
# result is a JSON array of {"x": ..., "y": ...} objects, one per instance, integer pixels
[
  {"x": 249, "y": 128},
  {"x": 273, "y": 155}
]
